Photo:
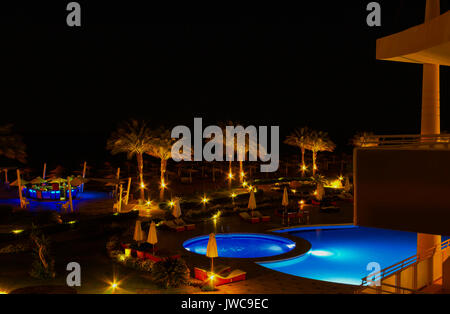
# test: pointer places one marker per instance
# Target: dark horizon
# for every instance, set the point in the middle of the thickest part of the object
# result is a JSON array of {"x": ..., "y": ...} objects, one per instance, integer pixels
[{"x": 66, "y": 89}]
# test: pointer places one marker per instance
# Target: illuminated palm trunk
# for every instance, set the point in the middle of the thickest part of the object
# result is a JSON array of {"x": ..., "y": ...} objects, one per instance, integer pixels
[
  {"x": 230, "y": 174},
  {"x": 241, "y": 171},
  {"x": 163, "y": 181},
  {"x": 140, "y": 161},
  {"x": 303, "y": 166},
  {"x": 314, "y": 162}
]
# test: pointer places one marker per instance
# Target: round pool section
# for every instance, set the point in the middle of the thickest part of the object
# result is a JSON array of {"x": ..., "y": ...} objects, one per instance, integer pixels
[{"x": 242, "y": 245}]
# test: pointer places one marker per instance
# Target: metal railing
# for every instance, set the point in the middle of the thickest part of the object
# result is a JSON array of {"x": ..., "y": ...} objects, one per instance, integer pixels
[
  {"x": 400, "y": 140},
  {"x": 397, "y": 267}
]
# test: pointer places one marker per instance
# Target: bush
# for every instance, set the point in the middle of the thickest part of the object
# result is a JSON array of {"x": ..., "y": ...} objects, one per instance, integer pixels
[
  {"x": 14, "y": 248},
  {"x": 43, "y": 266},
  {"x": 113, "y": 244},
  {"x": 170, "y": 272}
]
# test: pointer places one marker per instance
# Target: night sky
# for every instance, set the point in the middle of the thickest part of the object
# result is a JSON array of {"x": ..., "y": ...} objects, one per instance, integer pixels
[{"x": 65, "y": 89}]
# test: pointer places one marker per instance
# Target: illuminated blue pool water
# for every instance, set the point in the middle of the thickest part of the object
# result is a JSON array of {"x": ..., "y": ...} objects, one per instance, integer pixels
[
  {"x": 341, "y": 254},
  {"x": 242, "y": 245}
]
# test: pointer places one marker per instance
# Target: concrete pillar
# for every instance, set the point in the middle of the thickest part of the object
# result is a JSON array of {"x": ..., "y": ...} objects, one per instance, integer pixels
[
  {"x": 430, "y": 122},
  {"x": 446, "y": 274}
]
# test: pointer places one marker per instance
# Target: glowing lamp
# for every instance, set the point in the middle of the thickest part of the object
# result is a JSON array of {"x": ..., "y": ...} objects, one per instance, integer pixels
[
  {"x": 163, "y": 185},
  {"x": 17, "y": 231},
  {"x": 142, "y": 185},
  {"x": 233, "y": 195},
  {"x": 171, "y": 203},
  {"x": 230, "y": 176},
  {"x": 204, "y": 200},
  {"x": 127, "y": 252},
  {"x": 244, "y": 184}
]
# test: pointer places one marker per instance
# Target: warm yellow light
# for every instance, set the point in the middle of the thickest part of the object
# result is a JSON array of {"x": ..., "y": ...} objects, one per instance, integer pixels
[
  {"x": 122, "y": 257},
  {"x": 315, "y": 167},
  {"x": 71, "y": 222},
  {"x": 163, "y": 185},
  {"x": 244, "y": 184},
  {"x": 315, "y": 192},
  {"x": 17, "y": 231},
  {"x": 204, "y": 200},
  {"x": 142, "y": 185},
  {"x": 171, "y": 203},
  {"x": 302, "y": 202},
  {"x": 127, "y": 252},
  {"x": 233, "y": 195},
  {"x": 304, "y": 168},
  {"x": 294, "y": 190},
  {"x": 148, "y": 203},
  {"x": 114, "y": 285},
  {"x": 341, "y": 178},
  {"x": 3, "y": 292},
  {"x": 211, "y": 277},
  {"x": 217, "y": 215},
  {"x": 242, "y": 174},
  {"x": 230, "y": 176}
]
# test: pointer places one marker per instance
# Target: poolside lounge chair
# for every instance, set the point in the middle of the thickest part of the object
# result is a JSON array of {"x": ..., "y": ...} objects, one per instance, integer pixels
[
  {"x": 263, "y": 218},
  {"x": 24, "y": 202},
  {"x": 172, "y": 225},
  {"x": 65, "y": 206},
  {"x": 180, "y": 222},
  {"x": 202, "y": 274},
  {"x": 329, "y": 209},
  {"x": 248, "y": 218},
  {"x": 233, "y": 276}
]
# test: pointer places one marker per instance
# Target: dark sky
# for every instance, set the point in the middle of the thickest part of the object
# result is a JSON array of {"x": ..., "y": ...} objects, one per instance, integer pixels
[{"x": 267, "y": 63}]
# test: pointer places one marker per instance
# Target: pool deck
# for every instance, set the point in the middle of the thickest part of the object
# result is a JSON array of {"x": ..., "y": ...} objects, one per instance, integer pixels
[
  {"x": 87, "y": 246},
  {"x": 260, "y": 280}
]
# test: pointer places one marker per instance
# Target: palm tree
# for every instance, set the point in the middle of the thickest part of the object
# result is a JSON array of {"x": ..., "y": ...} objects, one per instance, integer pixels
[
  {"x": 133, "y": 138},
  {"x": 300, "y": 138},
  {"x": 161, "y": 147},
  {"x": 361, "y": 140},
  {"x": 319, "y": 142},
  {"x": 11, "y": 145}
]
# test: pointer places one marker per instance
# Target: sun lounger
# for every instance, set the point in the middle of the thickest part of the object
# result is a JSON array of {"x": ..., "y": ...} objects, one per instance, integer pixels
[
  {"x": 249, "y": 218},
  {"x": 204, "y": 274},
  {"x": 180, "y": 222},
  {"x": 171, "y": 224},
  {"x": 329, "y": 209},
  {"x": 234, "y": 276},
  {"x": 263, "y": 218}
]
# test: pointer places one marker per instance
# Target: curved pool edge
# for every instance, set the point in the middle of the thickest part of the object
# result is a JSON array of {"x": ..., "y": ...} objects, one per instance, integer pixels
[{"x": 301, "y": 247}]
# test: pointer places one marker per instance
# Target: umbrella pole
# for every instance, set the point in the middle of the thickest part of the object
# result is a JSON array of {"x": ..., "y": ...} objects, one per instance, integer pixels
[
  {"x": 19, "y": 184},
  {"x": 212, "y": 272}
]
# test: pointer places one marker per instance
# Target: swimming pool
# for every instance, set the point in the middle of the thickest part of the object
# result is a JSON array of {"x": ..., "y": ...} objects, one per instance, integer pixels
[
  {"x": 242, "y": 245},
  {"x": 342, "y": 253}
]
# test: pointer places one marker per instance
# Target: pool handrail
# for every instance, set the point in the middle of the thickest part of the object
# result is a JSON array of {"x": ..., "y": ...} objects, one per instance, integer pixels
[{"x": 397, "y": 267}]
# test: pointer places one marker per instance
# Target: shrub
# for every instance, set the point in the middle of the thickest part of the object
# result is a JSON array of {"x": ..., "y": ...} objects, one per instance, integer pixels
[
  {"x": 43, "y": 266},
  {"x": 170, "y": 272},
  {"x": 113, "y": 244},
  {"x": 14, "y": 248}
]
